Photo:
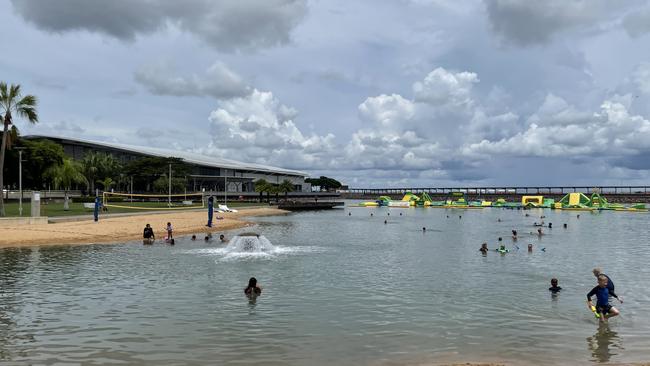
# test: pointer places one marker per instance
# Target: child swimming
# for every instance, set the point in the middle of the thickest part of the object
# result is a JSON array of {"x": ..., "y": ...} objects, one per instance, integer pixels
[
  {"x": 253, "y": 290},
  {"x": 484, "y": 248},
  {"x": 603, "y": 307},
  {"x": 554, "y": 287}
]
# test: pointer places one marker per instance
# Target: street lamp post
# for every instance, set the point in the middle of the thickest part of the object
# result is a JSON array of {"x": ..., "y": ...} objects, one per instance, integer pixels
[
  {"x": 169, "y": 198},
  {"x": 20, "y": 180}
]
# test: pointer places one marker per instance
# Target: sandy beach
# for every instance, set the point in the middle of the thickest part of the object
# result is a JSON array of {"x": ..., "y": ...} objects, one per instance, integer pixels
[{"x": 120, "y": 229}]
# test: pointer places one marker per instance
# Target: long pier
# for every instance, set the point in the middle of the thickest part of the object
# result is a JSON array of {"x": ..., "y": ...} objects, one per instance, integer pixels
[{"x": 620, "y": 194}]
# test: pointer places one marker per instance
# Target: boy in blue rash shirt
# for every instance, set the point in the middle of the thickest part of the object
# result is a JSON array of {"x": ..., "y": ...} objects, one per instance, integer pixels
[{"x": 602, "y": 299}]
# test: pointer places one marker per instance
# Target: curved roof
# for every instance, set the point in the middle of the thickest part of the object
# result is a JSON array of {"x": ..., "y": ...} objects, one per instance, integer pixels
[{"x": 189, "y": 157}]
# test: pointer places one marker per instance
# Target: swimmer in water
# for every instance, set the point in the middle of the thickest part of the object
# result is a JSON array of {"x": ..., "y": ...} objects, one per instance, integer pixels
[
  {"x": 530, "y": 248},
  {"x": 602, "y": 293},
  {"x": 371, "y": 214},
  {"x": 501, "y": 245},
  {"x": 550, "y": 225},
  {"x": 349, "y": 213},
  {"x": 193, "y": 237},
  {"x": 565, "y": 226},
  {"x": 578, "y": 216},
  {"x": 539, "y": 232},
  {"x": 554, "y": 287},
  {"x": 424, "y": 229},
  {"x": 460, "y": 217},
  {"x": 514, "y": 234},
  {"x": 222, "y": 238},
  {"x": 253, "y": 289},
  {"x": 484, "y": 248},
  {"x": 385, "y": 222}
]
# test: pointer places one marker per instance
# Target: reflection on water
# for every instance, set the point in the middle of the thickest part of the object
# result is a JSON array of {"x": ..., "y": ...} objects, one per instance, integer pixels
[
  {"x": 338, "y": 289},
  {"x": 604, "y": 344}
]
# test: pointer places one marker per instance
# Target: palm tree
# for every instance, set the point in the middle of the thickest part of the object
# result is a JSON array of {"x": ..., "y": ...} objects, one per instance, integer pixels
[
  {"x": 286, "y": 186},
  {"x": 12, "y": 102},
  {"x": 65, "y": 176},
  {"x": 98, "y": 166},
  {"x": 106, "y": 183},
  {"x": 261, "y": 186},
  {"x": 90, "y": 166}
]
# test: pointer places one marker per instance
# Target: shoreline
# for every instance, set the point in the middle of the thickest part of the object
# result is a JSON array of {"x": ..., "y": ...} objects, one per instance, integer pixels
[{"x": 125, "y": 228}]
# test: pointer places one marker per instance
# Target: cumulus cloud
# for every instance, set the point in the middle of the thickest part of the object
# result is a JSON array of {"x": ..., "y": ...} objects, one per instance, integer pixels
[
  {"x": 259, "y": 128},
  {"x": 442, "y": 87},
  {"x": 524, "y": 23},
  {"x": 218, "y": 81},
  {"x": 609, "y": 133},
  {"x": 387, "y": 110},
  {"x": 223, "y": 24}
]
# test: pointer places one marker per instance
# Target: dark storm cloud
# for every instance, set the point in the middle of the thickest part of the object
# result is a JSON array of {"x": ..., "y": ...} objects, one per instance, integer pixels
[
  {"x": 227, "y": 25},
  {"x": 524, "y": 23}
]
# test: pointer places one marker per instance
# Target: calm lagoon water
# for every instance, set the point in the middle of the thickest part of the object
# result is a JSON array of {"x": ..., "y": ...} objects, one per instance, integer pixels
[{"x": 338, "y": 289}]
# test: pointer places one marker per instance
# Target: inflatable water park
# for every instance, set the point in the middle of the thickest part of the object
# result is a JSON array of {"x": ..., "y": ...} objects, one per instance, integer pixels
[{"x": 458, "y": 200}]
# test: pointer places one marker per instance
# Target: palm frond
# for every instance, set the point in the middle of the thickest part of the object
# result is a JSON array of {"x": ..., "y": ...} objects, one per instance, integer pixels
[
  {"x": 4, "y": 93},
  {"x": 14, "y": 92}
]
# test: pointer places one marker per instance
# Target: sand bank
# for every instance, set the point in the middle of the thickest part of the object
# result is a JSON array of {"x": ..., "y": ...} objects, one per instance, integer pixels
[{"x": 120, "y": 229}]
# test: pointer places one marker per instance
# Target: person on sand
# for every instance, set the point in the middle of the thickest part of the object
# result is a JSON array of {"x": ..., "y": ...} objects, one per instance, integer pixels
[
  {"x": 148, "y": 235},
  {"x": 484, "y": 248},
  {"x": 602, "y": 293},
  {"x": 170, "y": 231},
  {"x": 599, "y": 272},
  {"x": 253, "y": 289},
  {"x": 554, "y": 287}
]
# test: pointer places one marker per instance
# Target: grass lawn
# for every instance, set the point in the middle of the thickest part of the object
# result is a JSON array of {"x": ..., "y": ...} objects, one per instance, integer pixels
[{"x": 76, "y": 208}]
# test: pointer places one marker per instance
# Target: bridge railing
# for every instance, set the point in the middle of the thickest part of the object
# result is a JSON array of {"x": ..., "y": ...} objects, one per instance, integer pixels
[{"x": 532, "y": 190}]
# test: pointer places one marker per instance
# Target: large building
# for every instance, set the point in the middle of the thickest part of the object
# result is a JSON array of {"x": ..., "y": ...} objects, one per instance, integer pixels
[{"x": 209, "y": 173}]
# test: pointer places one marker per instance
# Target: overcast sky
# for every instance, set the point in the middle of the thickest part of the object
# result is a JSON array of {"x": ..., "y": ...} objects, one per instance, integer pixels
[{"x": 374, "y": 93}]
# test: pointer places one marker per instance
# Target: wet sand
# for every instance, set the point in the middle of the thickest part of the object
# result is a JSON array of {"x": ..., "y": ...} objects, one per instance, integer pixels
[{"x": 120, "y": 229}]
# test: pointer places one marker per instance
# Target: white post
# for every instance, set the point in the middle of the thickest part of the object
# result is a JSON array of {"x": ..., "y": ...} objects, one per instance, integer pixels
[
  {"x": 20, "y": 182},
  {"x": 225, "y": 190}
]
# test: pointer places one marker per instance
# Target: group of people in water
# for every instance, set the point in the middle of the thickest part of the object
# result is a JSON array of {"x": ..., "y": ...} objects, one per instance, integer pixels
[
  {"x": 149, "y": 237},
  {"x": 604, "y": 289}
]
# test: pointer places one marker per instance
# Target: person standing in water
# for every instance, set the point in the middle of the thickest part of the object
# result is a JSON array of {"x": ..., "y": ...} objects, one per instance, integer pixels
[
  {"x": 603, "y": 307},
  {"x": 170, "y": 231},
  {"x": 253, "y": 289}
]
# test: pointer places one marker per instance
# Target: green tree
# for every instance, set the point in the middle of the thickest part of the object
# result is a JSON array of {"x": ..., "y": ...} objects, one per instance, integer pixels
[
  {"x": 97, "y": 166},
  {"x": 40, "y": 156},
  {"x": 106, "y": 183},
  {"x": 286, "y": 186},
  {"x": 65, "y": 176},
  {"x": 13, "y": 102},
  {"x": 261, "y": 186},
  {"x": 148, "y": 169},
  {"x": 161, "y": 185}
]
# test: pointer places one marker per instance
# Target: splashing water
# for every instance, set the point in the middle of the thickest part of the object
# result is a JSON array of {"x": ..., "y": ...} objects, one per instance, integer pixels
[{"x": 249, "y": 244}]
